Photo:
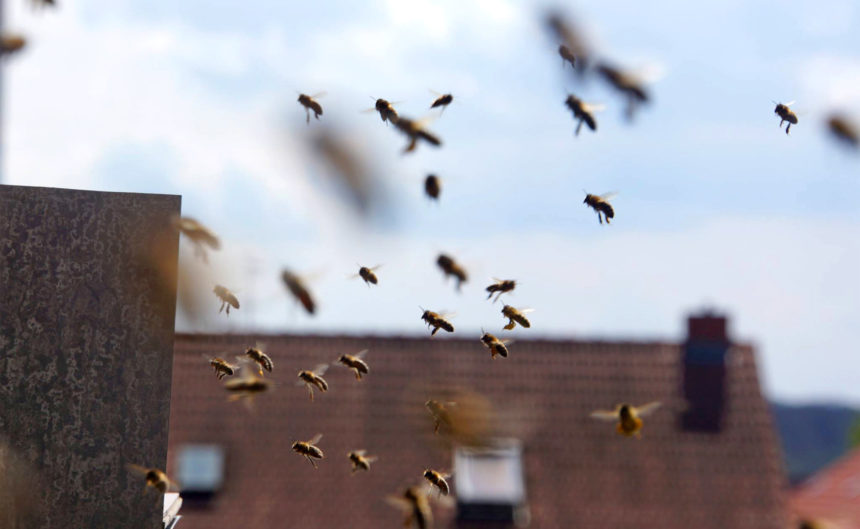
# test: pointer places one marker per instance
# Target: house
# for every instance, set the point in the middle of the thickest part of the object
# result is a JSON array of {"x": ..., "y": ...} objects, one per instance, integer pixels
[
  {"x": 832, "y": 495},
  {"x": 708, "y": 458}
]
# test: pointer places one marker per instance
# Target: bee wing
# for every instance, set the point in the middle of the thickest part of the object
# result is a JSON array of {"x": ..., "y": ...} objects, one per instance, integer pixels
[
  {"x": 368, "y": 110},
  {"x": 790, "y": 103},
  {"x": 300, "y": 382},
  {"x": 360, "y": 452},
  {"x": 607, "y": 196},
  {"x": 595, "y": 107},
  {"x": 318, "y": 94},
  {"x": 315, "y": 439},
  {"x": 370, "y": 459},
  {"x": 434, "y": 92},
  {"x": 647, "y": 409},
  {"x": 361, "y": 354},
  {"x": 375, "y": 268},
  {"x": 320, "y": 369},
  {"x": 526, "y": 310},
  {"x": 400, "y": 503},
  {"x": 137, "y": 469},
  {"x": 604, "y": 415},
  {"x": 207, "y": 357}
]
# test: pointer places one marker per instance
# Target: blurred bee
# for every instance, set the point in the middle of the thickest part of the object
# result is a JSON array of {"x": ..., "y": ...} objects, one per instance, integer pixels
[
  {"x": 246, "y": 387},
  {"x": 572, "y": 38},
  {"x": 386, "y": 110},
  {"x": 297, "y": 288},
  {"x": 582, "y": 112},
  {"x": 221, "y": 366},
  {"x": 443, "y": 100},
  {"x": 309, "y": 449},
  {"x": 260, "y": 358},
  {"x": 44, "y": 3},
  {"x": 500, "y": 287},
  {"x": 356, "y": 363},
  {"x": 497, "y": 347},
  {"x": 628, "y": 417},
  {"x": 310, "y": 103},
  {"x": 415, "y": 131},
  {"x": 432, "y": 186},
  {"x": 785, "y": 114},
  {"x": 515, "y": 316},
  {"x": 11, "y": 43},
  {"x": 360, "y": 461},
  {"x": 198, "y": 234},
  {"x": 843, "y": 130},
  {"x": 227, "y": 298},
  {"x": 438, "y": 480},
  {"x": 437, "y": 322},
  {"x": 440, "y": 413},
  {"x": 416, "y": 505},
  {"x": 567, "y": 56},
  {"x": 452, "y": 268},
  {"x": 626, "y": 83},
  {"x": 600, "y": 204},
  {"x": 154, "y": 478},
  {"x": 368, "y": 275},
  {"x": 314, "y": 378}
]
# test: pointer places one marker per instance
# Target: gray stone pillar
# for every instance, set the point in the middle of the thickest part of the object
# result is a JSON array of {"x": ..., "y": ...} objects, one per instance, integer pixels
[{"x": 87, "y": 305}]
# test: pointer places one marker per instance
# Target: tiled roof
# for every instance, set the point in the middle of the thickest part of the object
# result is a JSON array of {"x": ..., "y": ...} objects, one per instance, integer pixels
[
  {"x": 579, "y": 472},
  {"x": 832, "y": 494}
]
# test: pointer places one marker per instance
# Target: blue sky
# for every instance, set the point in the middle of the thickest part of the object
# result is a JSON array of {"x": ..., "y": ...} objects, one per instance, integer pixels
[{"x": 716, "y": 206}]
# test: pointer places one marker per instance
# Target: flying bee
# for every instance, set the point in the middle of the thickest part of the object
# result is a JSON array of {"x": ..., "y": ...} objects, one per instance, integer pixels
[
  {"x": 154, "y": 478},
  {"x": 297, "y": 288},
  {"x": 843, "y": 130},
  {"x": 440, "y": 413},
  {"x": 451, "y": 268},
  {"x": 497, "y": 347},
  {"x": 415, "y": 131},
  {"x": 438, "y": 480},
  {"x": 356, "y": 363},
  {"x": 11, "y": 43},
  {"x": 368, "y": 274},
  {"x": 500, "y": 287},
  {"x": 443, "y": 100},
  {"x": 360, "y": 461},
  {"x": 310, "y": 103},
  {"x": 246, "y": 387},
  {"x": 436, "y": 321},
  {"x": 260, "y": 358},
  {"x": 221, "y": 366},
  {"x": 600, "y": 204},
  {"x": 415, "y": 505},
  {"x": 582, "y": 112},
  {"x": 227, "y": 298},
  {"x": 628, "y": 84},
  {"x": 198, "y": 234},
  {"x": 567, "y": 56},
  {"x": 386, "y": 110},
  {"x": 432, "y": 186},
  {"x": 628, "y": 417},
  {"x": 314, "y": 378},
  {"x": 515, "y": 316},
  {"x": 309, "y": 449},
  {"x": 785, "y": 114}
]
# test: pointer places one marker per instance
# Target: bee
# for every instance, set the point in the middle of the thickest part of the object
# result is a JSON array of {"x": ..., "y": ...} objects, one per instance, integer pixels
[
  {"x": 415, "y": 131},
  {"x": 572, "y": 38},
  {"x": 600, "y": 204},
  {"x": 515, "y": 316},
  {"x": 436, "y": 321},
  {"x": 416, "y": 505},
  {"x": 785, "y": 114},
  {"x": 260, "y": 358},
  {"x": 626, "y": 83},
  {"x": 438, "y": 480},
  {"x": 443, "y": 100},
  {"x": 628, "y": 417},
  {"x": 11, "y": 43},
  {"x": 227, "y": 298},
  {"x": 297, "y": 288},
  {"x": 356, "y": 363},
  {"x": 582, "y": 112},
  {"x": 567, "y": 56},
  {"x": 440, "y": 413},
  {"x": 432, "y": 186},
  {"x": 500, "y": 287},
  {"x": 221, "y": 366},
  {"x": 44, "y": 3},
  {"x": 155, "y": 478},
  {"x": 309, "y": 449},
  {"x": 386, "y": 110},
  {"x": 368, "y": 275},
  {"x": 198, "y": 234},
  {"x": 360, "y": 461},
  {"x": 497, "y": 347},
  {"x": 310, "y": 103},
  {"x": 246, "y": 387},
  {"x": 843, "y": 130},
  {"x": 452, "y": 268},
  {"x": 314, "y": 378}
]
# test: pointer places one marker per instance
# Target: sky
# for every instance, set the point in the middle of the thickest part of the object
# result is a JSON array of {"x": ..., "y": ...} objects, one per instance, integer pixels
[{"x": 716, "y": 206}]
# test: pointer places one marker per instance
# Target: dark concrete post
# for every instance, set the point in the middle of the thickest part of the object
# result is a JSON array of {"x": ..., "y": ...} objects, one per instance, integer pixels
[{"x": 87, "y": 305}]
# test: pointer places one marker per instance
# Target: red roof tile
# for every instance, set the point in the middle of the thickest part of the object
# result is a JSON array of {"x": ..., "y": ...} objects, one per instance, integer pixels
[{"x": 832, "y": 494}]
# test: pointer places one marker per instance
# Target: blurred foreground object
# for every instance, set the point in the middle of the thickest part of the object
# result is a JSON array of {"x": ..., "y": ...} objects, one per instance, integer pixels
[
  {"x": 844, "y": 130},
  {"x": 11, "y": 43},
  {"x": 19, "y": 491},
  {"x": 199, "y": 235},
  {"x": 296, "y": 286}
]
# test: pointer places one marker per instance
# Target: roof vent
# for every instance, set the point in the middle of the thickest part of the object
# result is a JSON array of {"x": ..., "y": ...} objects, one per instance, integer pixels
[
  {"x": 200, "y": 469},
  {"x": 489, "y": 484}
]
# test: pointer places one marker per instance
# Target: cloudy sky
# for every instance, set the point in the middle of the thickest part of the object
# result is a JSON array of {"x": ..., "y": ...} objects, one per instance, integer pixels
[{"x": 717, "y": 207}]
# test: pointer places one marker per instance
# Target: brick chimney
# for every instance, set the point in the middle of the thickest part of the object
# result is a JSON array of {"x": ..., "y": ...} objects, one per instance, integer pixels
[{"x": 704, "y": 372}]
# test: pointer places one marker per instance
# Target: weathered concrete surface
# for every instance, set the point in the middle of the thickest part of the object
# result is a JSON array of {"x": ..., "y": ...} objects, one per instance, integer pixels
[{"x": 87, "y": 304}]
